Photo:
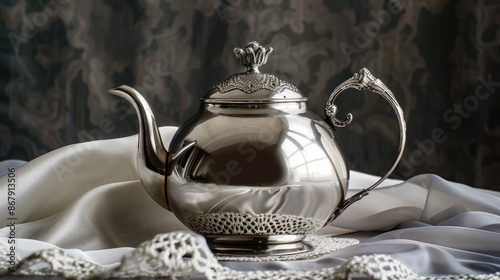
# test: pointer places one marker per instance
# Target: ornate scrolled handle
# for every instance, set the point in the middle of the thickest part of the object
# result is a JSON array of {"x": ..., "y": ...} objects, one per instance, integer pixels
[{"x": 361, "y": 81}]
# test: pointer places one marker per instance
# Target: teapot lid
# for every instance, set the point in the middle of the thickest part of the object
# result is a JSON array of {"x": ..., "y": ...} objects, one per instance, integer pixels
[{"x": 253, "y": 86}]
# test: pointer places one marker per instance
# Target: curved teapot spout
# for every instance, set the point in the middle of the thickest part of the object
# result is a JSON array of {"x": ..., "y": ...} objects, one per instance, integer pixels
[{"x": 153, "y": 160}]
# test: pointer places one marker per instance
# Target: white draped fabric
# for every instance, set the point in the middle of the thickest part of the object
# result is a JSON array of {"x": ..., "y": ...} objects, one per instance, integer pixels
[{"x": 87, "y": 198}]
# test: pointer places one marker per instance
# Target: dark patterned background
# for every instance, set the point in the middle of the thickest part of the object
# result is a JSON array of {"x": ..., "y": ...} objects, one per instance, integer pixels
[{"x": 440, "y": 58}]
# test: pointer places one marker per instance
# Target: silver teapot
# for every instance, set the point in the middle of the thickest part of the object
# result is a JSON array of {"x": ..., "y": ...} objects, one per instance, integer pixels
[{"x": 253, "y": 170}]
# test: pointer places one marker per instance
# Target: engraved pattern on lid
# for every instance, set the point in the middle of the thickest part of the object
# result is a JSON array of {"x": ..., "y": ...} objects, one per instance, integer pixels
[{"x": 251, "y": 82}]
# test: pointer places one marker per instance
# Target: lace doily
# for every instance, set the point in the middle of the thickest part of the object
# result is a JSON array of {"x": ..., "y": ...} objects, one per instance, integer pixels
[
  {"x": 252, "y": 224},
  {"x": 182, "y": 254},
  {"x": 322, "y": 245}
]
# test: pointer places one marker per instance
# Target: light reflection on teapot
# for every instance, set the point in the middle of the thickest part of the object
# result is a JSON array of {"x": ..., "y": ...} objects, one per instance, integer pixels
[{"x": 253, "y": 165}]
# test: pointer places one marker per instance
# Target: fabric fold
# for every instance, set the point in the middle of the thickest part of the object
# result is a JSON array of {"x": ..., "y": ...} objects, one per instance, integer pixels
[{"x": 88, "y": 197}]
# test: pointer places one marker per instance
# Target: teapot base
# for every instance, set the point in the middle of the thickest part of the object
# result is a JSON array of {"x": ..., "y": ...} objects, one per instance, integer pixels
[
  {"x": 256, "y": 239},
  {"x": 255, "y": 245}
]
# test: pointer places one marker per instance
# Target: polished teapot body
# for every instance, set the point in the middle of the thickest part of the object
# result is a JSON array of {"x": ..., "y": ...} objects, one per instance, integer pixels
[
  {"x": 253, "y": 164},
  {"x": 274, "y": 160}
]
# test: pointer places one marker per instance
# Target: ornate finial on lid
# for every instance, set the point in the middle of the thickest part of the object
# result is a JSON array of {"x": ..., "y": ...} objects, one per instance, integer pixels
[
  {"x": 264, "y": 87},
  {"x": 253, "y": 56}
]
